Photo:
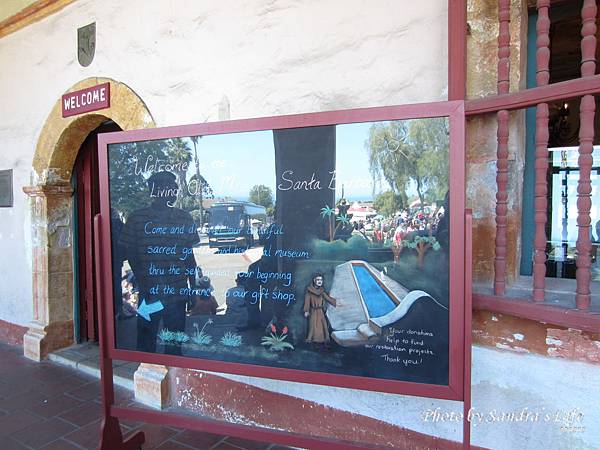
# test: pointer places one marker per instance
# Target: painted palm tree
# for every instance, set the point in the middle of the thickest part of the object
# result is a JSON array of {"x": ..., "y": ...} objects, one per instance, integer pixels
[
  {"x": 199, "y": 179},
  {"x": 342, "y": 220},
  {"x": 327, "y": 212},
  {"x": 179, "y": 152}
]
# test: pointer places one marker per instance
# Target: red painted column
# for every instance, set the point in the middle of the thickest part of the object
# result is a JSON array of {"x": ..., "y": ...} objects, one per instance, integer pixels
[
  {"x": 502, "y": 151},
  {"x": 541, "y": 153},
  {"x": 586, "y": 138}
]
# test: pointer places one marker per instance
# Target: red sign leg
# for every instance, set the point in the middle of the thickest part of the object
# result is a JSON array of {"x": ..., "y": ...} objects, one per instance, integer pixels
[
  {"x": 468, "y": 319},
  {"x": 111, "y": 436}
]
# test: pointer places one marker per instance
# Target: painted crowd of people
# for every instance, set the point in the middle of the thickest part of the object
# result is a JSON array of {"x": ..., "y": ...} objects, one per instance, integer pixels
[{"x": 392, "y": 230}]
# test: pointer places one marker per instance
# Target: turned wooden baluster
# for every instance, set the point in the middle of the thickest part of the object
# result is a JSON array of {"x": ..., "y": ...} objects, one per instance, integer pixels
[
  {"x": 502, "y": 151},
  {"x": 541, "y": 152},
  {"x": 586, "y": 138}
]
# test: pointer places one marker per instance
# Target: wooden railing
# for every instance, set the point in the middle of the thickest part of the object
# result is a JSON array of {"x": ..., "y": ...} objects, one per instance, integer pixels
[
  {"x": 586, "y": 138},
  {"x": 541, "y": 152},
  {"x": 502, "y": 154},
  {"x": 585, "y": 88}
]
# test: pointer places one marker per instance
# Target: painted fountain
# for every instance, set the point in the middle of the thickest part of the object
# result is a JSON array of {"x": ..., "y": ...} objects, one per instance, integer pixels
[{"x": 370, "y": 301}]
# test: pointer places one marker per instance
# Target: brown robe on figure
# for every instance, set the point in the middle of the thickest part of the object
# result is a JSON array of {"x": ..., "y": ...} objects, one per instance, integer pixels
[{"x": 314, "y": 303}]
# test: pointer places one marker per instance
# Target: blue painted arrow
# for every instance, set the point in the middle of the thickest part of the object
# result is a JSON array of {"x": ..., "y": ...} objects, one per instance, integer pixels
[{"x": 145, "y": 309}]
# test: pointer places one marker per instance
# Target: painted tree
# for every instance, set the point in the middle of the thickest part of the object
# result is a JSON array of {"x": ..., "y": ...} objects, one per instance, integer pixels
[
  {"x": 261, "y": 195},
  {"x": 128, "y": 186},
  {"x": 328, "y": 213},
  {"x": 410, "y": 154},
  {"x": 178, "y": 152},
  {"x": 335, "y": 222},
  {"x": 388, "y": 203},
  {"x": 421, "y": 244},
  {"x": 199, "y": 178},
  {"x": 430, "y": 139}
]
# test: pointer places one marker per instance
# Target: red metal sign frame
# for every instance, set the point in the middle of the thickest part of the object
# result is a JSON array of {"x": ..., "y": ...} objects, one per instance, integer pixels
[
  {"x": 455, "y": 112},
  {"x": 458, "y": 387}
]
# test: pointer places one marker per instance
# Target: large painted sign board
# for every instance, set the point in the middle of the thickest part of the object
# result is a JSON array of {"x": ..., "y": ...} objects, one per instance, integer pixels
[{"x": 323, "y": 248}]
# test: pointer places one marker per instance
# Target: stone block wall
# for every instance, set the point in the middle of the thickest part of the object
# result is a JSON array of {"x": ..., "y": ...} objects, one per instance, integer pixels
[{"x": 482, "y": 54}]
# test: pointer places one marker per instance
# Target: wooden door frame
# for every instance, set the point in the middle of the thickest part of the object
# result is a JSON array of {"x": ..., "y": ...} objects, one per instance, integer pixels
[{"x": 85, "y": 171}]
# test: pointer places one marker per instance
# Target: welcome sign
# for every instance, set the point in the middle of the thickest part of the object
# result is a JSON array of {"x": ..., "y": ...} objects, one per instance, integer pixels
[
  {"x": 297, "y": 247},
  {"x": 86, "y": 100}
]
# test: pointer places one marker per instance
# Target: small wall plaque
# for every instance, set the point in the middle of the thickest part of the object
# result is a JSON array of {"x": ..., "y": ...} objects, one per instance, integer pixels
[
  {"x": 6, "y": 188},
  {"x": 86, "y": 44}
]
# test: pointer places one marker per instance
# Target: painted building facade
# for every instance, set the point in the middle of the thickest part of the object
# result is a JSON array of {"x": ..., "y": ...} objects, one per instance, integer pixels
[{"x": 172, "y": 64}]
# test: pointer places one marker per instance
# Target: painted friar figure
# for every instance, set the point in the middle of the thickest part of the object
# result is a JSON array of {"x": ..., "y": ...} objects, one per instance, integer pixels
[{"x": 314, "y": 309}]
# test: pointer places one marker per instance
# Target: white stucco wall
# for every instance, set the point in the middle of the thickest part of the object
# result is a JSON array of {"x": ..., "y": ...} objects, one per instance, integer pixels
[{"x": 185, "y": 58}]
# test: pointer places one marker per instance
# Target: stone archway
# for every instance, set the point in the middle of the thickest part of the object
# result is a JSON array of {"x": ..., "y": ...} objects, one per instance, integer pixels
[{"x": 51, "y": 211}]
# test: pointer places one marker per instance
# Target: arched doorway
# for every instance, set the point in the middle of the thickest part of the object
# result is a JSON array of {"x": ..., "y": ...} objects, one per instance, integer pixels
[
  {"x": 86, "y": 204},
  {"x": 51, "y": 203}
]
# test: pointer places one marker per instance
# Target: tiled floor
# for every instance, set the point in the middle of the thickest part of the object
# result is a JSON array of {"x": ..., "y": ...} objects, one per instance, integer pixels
[{"x": 49, "y": 406}]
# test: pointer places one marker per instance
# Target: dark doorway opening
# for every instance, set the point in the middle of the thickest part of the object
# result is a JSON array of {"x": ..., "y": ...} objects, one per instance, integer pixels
[{"x": 86, "y": 205}]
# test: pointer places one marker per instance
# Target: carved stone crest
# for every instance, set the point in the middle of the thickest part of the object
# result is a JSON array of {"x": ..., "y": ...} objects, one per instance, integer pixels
[{"x": 86, "y": 44}]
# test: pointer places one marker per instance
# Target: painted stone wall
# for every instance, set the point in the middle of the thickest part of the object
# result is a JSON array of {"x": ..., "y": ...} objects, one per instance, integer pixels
[
  {"x": 482, "y": 53},
  {"x": 219, "y": 60}
]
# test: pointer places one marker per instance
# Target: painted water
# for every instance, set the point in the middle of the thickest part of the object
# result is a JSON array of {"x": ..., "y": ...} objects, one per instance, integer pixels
[{"x": 376, "y": 299}]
